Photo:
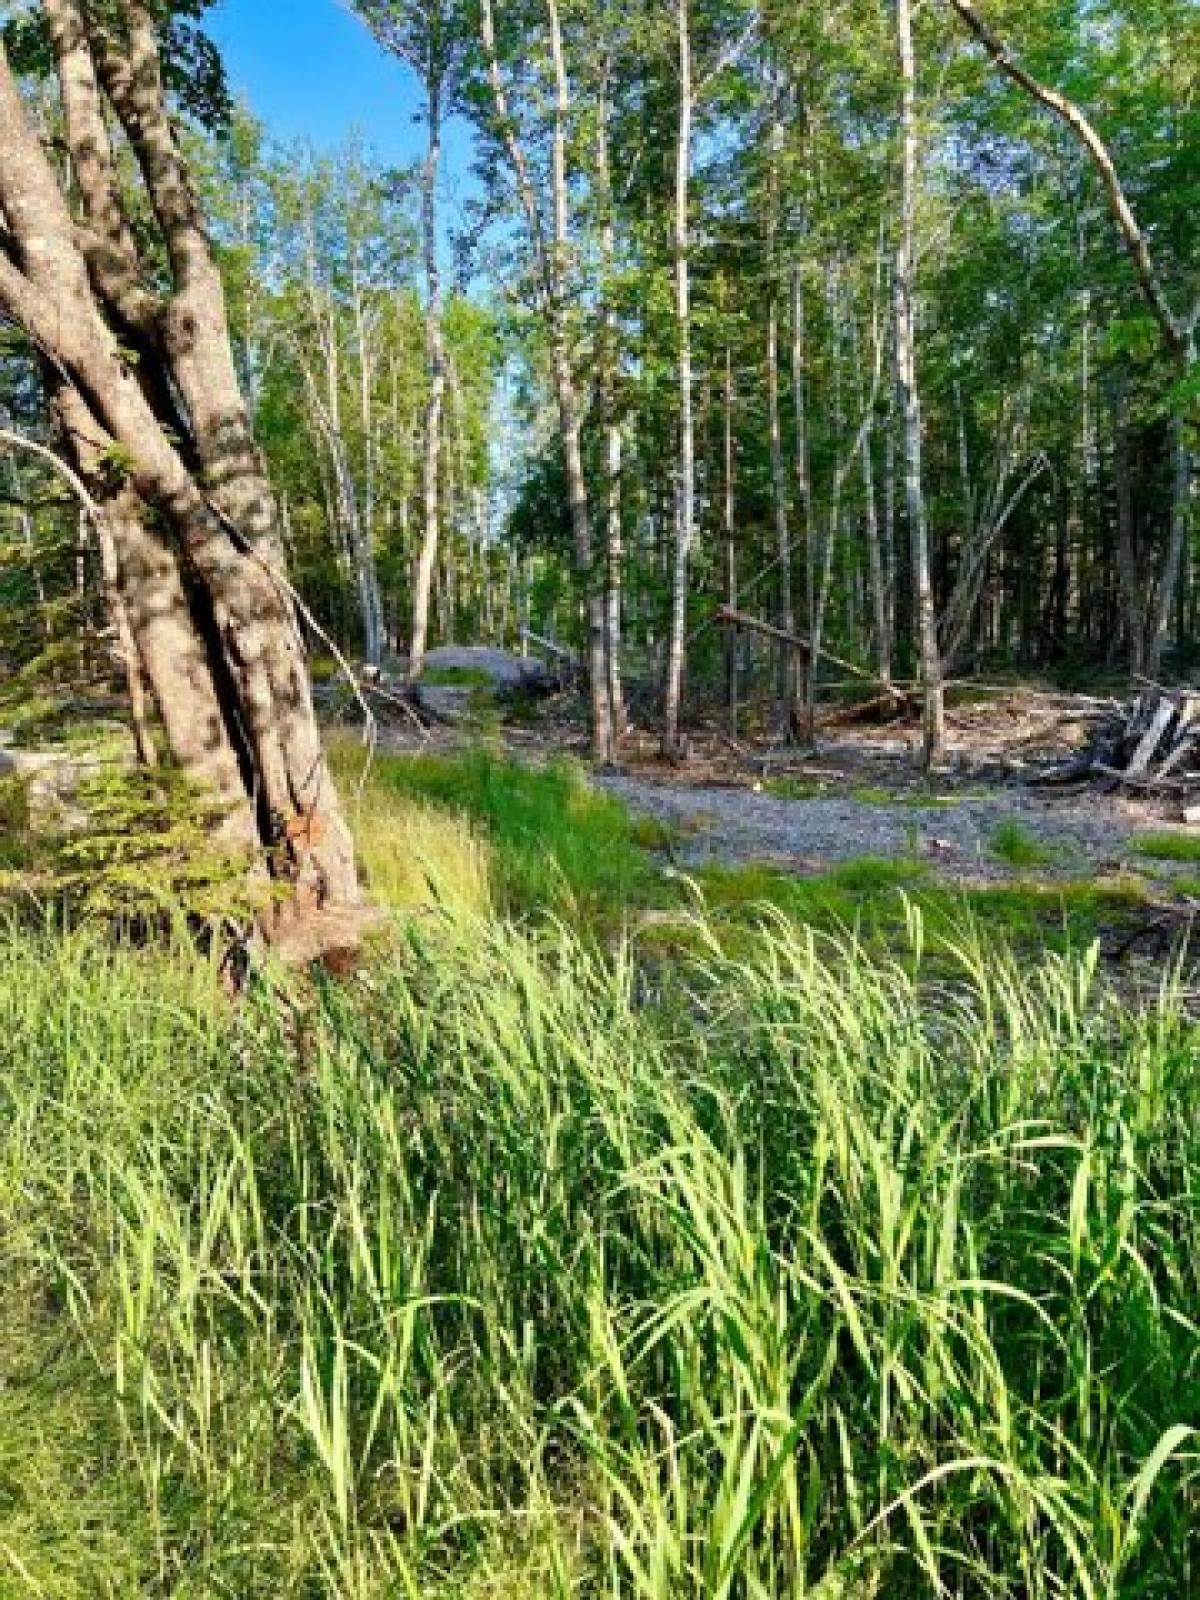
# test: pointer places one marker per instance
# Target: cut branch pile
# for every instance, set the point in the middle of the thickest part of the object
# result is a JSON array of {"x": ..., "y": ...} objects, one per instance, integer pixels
[{"x": 1151, "y": 744}]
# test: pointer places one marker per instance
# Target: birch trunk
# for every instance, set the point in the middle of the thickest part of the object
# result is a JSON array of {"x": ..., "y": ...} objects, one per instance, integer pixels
[
  {"x": 685, "y": 496},
  {"x": 729, "y": 532},
  {"x": 787, "y": 683},
  {"x": 551, "y": 261},
  {"x": 910, "y": 403},
  {"x": 613, "y": 438},
  {"x": 366, "y": 571},
  {"x": 801, "y": 464},
  {"x": 435, "y": 359}
]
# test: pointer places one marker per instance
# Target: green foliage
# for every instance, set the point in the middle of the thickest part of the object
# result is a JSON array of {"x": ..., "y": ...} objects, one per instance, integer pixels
[
  {"x": 14, "y": 824},
  {"x": 1168, "y": 846},
  {"x": 479, "y": 1276},
  {"x": 558, "y": 845},
  {"x": 122, "y": 842},
  {"x": 1015, "y": 842},
  {"x": 872, "y": 873},
  {"x": 790, "y": 787},
  {"x": 876, "y": 899}
]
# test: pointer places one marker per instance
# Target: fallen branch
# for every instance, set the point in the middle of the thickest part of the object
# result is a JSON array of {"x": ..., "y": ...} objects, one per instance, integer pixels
[
  {"x": 1151, "y": 745},
  {"x": 739, "y": 619},
  {"x": 560, "y": 652}
]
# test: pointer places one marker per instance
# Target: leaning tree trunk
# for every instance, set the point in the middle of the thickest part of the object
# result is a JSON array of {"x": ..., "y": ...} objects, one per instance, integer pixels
[{"x": 200, "y": 563}]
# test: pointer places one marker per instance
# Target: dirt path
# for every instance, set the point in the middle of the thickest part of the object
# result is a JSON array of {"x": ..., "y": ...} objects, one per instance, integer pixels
[{"x": 956, "y": 834}]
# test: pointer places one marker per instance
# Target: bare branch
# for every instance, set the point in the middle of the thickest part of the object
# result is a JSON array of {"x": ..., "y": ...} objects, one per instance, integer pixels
[{"x": 1175, "y": 333}]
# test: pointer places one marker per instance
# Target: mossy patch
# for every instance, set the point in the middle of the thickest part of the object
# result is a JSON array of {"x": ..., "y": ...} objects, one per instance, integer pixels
[
  {"x": 1015, "y": 843},
  {"x": 794, "y": 788},
  {"x": 1168, "y": 846},
  {"x": 457, "y": 678}
]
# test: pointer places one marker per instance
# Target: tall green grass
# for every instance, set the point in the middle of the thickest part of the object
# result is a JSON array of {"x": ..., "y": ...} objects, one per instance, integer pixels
[
  {"x": 508, "y": 1268},
  {"x": 557, "y": 844}
]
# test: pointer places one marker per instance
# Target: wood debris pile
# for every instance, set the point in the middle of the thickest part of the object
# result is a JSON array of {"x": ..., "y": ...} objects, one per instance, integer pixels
[{"x": 1151, "y": 744}]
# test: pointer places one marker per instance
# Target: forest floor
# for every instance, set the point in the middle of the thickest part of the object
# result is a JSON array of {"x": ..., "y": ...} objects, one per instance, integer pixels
[{"x": 859, "y": 794}]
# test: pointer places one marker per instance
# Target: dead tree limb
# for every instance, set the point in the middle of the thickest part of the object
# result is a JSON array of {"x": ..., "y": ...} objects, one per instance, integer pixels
[
  {"x": 740, "y": 619},
  {"x": 110, "y": 579}
]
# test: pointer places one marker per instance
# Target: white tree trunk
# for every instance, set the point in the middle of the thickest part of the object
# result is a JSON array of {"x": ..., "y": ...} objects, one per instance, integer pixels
[
  {"x": 435, "y": 358},
  {"x": 910, "y": 402},
  {"x": 685, "y": 494}
]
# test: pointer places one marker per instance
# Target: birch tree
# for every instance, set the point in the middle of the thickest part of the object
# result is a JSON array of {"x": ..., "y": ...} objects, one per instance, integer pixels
[{"x": 925, "y": 605}]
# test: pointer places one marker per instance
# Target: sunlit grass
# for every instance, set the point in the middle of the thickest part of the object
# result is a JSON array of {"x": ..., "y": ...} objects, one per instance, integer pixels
[
  {"x": 1015, "y": 843},
  {"x": 808, "y": 1242},
  {"x": 478, "y": 1275},
  {"x": 416, "y": 855},
  {"x": 555, "y": 843},
  {"x": 1173, "y": 846}
]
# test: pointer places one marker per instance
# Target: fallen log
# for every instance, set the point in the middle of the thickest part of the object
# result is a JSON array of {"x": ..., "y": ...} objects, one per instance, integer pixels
[
  {"x": 1151, "y": 744},
  {"x": 732, "y": 618}
]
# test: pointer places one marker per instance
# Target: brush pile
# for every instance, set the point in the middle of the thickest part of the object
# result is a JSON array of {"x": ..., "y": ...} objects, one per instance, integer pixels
[{"x": 1151, "y": 744}]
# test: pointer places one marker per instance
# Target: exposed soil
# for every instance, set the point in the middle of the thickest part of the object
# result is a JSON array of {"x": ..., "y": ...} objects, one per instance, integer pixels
[
  {"x": 806, "y": 831},
  {"x": 859, "y": 794}
]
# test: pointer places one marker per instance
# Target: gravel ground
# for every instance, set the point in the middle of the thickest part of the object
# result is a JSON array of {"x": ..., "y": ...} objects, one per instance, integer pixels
[{"x": 737, "y": 825}]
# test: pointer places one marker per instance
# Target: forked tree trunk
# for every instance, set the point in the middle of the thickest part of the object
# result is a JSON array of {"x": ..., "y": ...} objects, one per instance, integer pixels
[{"x": 220, "y": 647}]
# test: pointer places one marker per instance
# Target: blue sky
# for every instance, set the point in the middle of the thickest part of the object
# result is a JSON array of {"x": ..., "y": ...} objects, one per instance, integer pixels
[{"x": 310, "y": 70}]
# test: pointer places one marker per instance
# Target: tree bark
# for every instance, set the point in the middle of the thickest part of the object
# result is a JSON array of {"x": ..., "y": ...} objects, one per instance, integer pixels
[
  {"x": 223, "y": 655},
  {"x": 685, "y": 494},
  {"x": 910, "y": 402},
  {"x": 435, "y": 360}
]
